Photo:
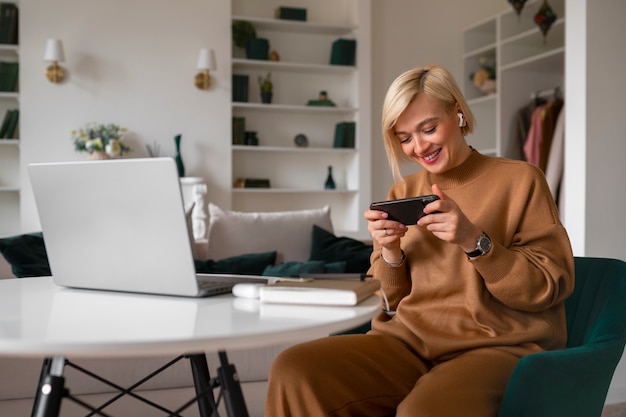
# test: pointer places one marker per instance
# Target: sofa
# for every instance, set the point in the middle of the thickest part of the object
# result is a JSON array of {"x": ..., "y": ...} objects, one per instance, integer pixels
[{"x": 263, "y": 243}]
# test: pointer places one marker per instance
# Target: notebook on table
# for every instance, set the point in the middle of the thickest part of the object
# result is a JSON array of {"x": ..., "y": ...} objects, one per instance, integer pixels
[{"x": 120, "y": 225}]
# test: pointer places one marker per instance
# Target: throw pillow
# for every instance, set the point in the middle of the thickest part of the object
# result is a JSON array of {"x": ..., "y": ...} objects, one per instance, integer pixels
[
  {"x": 327, "y": 247},
  {"x": 294, "y": 269},
  {"x": 27, "y": 255},
  {"x": 248, "y": 264},
  {"x": 233, "y": 233}
]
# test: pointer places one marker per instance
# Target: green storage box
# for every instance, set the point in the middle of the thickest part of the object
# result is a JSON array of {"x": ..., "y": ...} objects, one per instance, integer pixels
[
  {"x": 343, "y": 52},
  {"x": 290, "y": 13}
]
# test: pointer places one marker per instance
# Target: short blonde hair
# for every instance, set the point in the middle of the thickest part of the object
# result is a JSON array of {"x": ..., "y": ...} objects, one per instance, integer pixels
[{"x": 432, "y": 80}]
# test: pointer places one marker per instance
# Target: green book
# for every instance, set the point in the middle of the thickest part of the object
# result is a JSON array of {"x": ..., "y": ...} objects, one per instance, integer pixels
[
  {"x": 350, "y": 131},
  {"x": 239, "y": 130},
  {"x": 8, "y": 76},
  {"x": 257, "y": 183},
  {"x": 344, "y": 135},
  {"x": 12, "y": 127},
  {"x": 13, "y": 69},
  {"x": 5, "y": 123},
  {"x": 340, "y": 131}
]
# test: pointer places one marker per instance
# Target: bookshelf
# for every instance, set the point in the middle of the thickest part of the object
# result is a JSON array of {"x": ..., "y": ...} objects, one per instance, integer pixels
[
  {"x": 297, "y": 174},
  {"x": 9, "y": 121}
]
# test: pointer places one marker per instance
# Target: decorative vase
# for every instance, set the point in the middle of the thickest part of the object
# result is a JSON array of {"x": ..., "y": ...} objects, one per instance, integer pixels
[
  {"x": 179, "y": 158},
  {"x": 330, "y": 182},
  {"x": 97, "y": 155},
  {"x": 251, "y": 139},
  {"x": 113, "y": 148}
]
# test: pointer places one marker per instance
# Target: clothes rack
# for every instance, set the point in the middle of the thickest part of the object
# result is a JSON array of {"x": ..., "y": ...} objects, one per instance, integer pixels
[{"x": 556, "y": 92}]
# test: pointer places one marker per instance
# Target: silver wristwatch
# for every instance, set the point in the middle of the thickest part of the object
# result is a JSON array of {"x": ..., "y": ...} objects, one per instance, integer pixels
[{"x": 483, "y": 245}]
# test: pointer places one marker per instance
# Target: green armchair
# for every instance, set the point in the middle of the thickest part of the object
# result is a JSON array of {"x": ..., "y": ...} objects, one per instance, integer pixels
[{"x": 573, "y": 382}]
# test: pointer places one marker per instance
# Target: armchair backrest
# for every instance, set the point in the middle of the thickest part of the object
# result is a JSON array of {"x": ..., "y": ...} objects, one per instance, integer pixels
[{"x": 595, "y": 311}]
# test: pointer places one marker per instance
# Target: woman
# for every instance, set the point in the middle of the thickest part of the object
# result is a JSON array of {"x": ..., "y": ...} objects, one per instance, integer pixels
[{"x": 478, "y": 282}]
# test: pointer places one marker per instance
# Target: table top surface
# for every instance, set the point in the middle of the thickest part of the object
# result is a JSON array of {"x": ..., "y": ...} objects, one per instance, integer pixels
[{"x": 39, "y": 318}]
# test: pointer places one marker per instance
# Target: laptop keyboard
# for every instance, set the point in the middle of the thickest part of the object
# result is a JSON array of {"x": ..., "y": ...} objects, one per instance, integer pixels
[{"x": 216, "y": 287}]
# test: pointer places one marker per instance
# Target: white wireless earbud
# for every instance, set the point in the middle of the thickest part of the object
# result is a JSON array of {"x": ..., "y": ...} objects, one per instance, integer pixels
[{"x": 461, "y": 119}]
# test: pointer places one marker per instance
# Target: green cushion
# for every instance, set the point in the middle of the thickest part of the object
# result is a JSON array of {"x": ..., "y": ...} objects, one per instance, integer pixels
[
  {"x": 327, "y": 247},
  {"x": 26, "y": 254},
  {"x": 294, "y": 269},
  {"x": 248, "y": 264}
]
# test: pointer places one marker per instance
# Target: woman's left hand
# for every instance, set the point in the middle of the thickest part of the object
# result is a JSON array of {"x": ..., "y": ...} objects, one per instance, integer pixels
[{"x": 447, "y": 222}]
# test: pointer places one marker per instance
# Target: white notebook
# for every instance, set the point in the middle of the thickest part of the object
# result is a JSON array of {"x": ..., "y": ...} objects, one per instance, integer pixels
[{"x": 345, "y": 292}]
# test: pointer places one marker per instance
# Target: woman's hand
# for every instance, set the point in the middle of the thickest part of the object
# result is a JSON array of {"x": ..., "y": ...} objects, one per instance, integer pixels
[
  {"x": 387, "y": 233},
  {"x": 447, "y": 222}
]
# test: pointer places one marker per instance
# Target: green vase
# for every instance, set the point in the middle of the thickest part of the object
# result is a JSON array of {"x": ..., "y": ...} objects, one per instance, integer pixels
[{"x": 179, "y": 158}]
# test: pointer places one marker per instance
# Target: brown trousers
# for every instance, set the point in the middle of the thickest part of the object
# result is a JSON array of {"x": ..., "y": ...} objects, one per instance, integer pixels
[{"x": 378, "y": 375}]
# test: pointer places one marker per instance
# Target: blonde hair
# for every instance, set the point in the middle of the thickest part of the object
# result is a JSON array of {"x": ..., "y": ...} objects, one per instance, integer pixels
[{"x": 432, "y": 80}]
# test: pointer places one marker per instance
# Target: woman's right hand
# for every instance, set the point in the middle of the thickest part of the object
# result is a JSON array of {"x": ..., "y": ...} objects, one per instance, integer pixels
[{"x": 387, "y": 233}]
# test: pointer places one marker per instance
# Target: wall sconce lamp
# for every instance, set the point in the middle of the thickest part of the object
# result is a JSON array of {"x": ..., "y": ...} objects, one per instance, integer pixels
[
  {"x": 206, "y": 63},
  {"x": 54, "y": 53}
]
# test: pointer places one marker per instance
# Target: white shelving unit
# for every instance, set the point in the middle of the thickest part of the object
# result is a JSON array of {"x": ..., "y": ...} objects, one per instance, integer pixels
[
  {"x": 297, "y": 174},
  {"x": 525, "y": 64},
  {"x": 9, "y": 157}
]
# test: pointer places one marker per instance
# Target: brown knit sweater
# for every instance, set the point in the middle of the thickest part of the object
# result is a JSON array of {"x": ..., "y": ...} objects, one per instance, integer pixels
[{"x": 510, "y": 298}]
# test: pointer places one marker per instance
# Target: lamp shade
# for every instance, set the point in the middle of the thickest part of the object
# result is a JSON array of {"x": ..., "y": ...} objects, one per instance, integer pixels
[
  {"x": 206, "y": 60},
  {"x": 54, "y": 51}
]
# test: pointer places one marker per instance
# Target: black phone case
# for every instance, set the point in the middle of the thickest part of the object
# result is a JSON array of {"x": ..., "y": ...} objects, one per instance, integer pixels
[{"x": 406, "y": 210}]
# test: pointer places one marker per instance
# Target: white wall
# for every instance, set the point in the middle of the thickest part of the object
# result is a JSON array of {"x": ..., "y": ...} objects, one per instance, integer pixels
[
  {"x": 131, "y": 63},
  {"x": 409, "y": 33}
]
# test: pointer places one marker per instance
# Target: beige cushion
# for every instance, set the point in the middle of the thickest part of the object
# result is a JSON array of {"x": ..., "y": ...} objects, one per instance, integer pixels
[{"x": 233, "y": 233}]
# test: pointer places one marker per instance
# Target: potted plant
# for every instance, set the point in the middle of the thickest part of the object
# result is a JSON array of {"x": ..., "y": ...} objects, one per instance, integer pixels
[
  {"x": 100, "y": 141},
  {"x": 243, "y": 31},
  {"x": 266, "y": 87},
  {"x": 244, "y": 36}
]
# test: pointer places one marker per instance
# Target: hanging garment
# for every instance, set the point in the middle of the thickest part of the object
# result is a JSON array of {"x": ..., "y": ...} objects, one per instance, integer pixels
[
  {"x": 533, "y": 140},
  {"x": 519, "y": 130},
  {"x": 554, "y": 168},
  {"x": 549, "y": 117}
]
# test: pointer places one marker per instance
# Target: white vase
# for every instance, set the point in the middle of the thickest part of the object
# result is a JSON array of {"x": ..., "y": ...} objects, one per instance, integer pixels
[{"x": 97, "y": 155}]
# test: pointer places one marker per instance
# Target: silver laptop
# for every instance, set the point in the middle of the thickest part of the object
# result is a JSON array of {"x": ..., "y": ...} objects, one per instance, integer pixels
[{"x": 120, "y": 225}]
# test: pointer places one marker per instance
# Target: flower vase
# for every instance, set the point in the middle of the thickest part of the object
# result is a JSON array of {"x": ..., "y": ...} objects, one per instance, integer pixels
[
  {"x": 97, "y": 155},
  {"x": 179, "y": 158}
]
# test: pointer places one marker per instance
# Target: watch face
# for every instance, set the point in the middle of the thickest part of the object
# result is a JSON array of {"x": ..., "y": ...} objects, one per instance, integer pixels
[{"x": 484, "y": 243}]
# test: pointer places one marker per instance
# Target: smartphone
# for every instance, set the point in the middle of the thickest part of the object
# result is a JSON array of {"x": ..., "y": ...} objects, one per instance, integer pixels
[{"x": 405, "y": 210}]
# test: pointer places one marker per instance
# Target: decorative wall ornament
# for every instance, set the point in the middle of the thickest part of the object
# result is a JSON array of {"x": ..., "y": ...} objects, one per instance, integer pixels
[
  {"x": 518, "y": 5},
  {"x": 544, "y": 18}
]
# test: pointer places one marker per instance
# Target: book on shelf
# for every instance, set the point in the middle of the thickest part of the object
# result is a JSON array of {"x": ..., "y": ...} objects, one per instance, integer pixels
[
  {"x": 239, "y": 130},
  {"x": 252, "y": 183},
  {"x": 240, "y": 87},
  {"x": 9, "y": 23},
  {"x": 344, "y": 135},
  {"x": 8, "y": 76},
  {"x": 9, "y": 124},
  {"x": 12, "y": 126},
  {"x": 339, "y": 292}
]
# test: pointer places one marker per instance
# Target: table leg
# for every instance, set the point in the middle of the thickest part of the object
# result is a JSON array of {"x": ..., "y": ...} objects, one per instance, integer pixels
[
  {"x": 50, "y": 389},
  {"x": 229, "y": 381},
  {"x": 202, "y": 384}
]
